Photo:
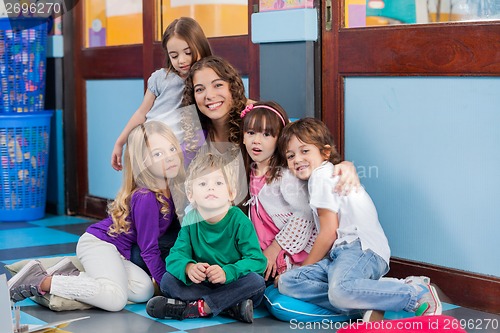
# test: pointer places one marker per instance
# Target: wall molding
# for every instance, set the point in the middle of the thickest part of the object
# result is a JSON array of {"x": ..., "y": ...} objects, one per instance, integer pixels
[{"x": 471, "y": 290}]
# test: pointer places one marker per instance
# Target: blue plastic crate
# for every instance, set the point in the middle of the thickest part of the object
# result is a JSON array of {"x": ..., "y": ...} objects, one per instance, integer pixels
[
  {"x": 24, "y": 157},
  {"x": 23, "y": 48}
]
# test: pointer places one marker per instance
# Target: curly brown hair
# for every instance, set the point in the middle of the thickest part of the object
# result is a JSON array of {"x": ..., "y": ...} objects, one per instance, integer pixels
[{"x": 226, "y": 72}]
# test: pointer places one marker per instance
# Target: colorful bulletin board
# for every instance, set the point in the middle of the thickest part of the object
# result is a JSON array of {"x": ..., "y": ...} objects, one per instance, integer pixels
[
  {"x": 268, "y": 5},
  {"x": 355, "y": 13}
]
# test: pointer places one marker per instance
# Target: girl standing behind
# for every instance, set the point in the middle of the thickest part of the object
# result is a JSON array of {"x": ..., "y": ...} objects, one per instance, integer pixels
[
  {"x": 184, "y": 43},
  {"x": 142, "y": 211},
  {"x": 278, "y": 209}
]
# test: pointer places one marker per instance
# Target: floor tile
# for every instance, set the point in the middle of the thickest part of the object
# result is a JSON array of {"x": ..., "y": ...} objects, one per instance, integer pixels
[
  {"x": 57, "y": 235},
  {"x": 35, "y": 236}
]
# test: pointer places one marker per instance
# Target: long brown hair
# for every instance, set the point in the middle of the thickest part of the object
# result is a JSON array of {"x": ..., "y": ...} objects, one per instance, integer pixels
[
  {"x": 255, "y": 120},
  {"x": 191, "y": 32}
]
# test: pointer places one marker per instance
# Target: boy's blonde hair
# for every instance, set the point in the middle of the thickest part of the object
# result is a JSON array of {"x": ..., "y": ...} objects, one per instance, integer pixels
[
  {"x": 207, "y": 163},
  {"x": 137, "y": 174}
]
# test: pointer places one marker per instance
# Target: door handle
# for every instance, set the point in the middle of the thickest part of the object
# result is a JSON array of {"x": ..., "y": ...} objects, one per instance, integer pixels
[{"x": 328, "y": 15}]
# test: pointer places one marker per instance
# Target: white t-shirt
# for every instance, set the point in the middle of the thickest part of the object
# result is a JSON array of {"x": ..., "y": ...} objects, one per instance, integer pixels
[
  {"x": 357, "y": 214},
  {"x": 168, "y": 89}
]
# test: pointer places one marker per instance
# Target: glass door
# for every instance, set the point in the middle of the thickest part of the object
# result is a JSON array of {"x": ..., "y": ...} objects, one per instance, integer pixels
[{"x": 118, "y": 42}]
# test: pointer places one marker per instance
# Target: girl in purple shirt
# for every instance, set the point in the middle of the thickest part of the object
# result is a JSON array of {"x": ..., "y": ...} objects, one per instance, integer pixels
[{"x": 142, "y": 211}]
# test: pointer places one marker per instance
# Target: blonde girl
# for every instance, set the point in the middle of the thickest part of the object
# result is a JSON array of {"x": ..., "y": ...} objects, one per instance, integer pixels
[
  {"x": 184, "y": 42},
  {"x": 142, "y": 212}
]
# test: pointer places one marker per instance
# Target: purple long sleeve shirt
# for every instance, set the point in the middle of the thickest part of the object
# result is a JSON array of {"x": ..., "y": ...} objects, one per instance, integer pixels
[{"x": 147, "y": 225}]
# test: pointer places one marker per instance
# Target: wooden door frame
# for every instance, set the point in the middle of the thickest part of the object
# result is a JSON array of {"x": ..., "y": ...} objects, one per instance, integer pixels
[
  {"x": 94, "y": 63},
  {"x": 465, "y": 49}
]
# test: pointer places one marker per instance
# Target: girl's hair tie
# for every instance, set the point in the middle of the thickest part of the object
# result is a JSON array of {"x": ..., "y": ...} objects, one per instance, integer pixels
[{"x": 250, "y": 107}]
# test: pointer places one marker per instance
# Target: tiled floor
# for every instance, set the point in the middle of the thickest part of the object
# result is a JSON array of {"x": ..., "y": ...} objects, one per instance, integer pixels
[{"x": 57, "y": 235}]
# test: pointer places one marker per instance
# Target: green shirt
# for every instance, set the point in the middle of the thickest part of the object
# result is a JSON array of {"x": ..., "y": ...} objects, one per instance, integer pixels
[{"x": 230, "y": 243}]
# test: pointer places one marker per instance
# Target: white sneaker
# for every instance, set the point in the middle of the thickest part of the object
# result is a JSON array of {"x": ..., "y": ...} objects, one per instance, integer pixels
[
  {"x": 26, "y": 283},
  {"x": 373, "y": 315},
  {"x": 63, "y": 267},
  {"x": 428, "y": 303},
  {"x": 418, "y": 280}
]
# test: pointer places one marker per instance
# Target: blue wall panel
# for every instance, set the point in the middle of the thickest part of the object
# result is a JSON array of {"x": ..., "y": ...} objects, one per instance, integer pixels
[
  {"x": 427, "y": 152},
  {"x": 110, "y": 104}
]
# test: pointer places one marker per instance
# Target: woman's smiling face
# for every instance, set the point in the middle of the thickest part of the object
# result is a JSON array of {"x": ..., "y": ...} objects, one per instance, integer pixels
[{"x": 212, "y": 94}]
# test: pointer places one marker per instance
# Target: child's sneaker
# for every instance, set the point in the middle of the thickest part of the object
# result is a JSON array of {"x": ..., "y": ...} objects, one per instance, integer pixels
[
  {"x": 162, "y": 307},
  {"x": 417, "y": 280},
  {"x": 64, "y": 267},
  {"x": 242, "y": 311},
  {"x": 373, "y": 315},
  {"x": 26, "y": 283},
  {"x": 428, "y": 303}
]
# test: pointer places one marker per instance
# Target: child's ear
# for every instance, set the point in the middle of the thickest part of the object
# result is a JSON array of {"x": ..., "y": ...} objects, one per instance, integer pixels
[
  {"x": 326, "y": 151},
  {"x": 232, "y": 195},
  {"x": 189, "y": 196}
]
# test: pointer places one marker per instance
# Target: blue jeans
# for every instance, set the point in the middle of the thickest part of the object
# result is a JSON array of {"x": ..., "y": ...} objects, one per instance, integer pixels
[
  {"x": 347, "y": 280},
  {"x": 218, "y": 296}
]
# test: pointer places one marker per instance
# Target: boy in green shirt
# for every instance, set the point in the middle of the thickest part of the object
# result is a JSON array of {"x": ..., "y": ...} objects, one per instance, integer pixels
[{"x": 216, "y": 264}]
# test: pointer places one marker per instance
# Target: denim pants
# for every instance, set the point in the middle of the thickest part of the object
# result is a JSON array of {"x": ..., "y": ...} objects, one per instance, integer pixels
[
  {"x": 348, "y": 280},
  {"x": 218, "y": 296}
]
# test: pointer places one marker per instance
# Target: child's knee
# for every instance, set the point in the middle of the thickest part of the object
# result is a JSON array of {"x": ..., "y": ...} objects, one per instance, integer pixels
[
  {"x": 256, "y": 281},
  {"x": 141, "y": 292},
  {"x": 339, "y": 296},
  {"x": 166, "y": 281},
  {"x": 116, "y": 305},
  {"x": 288, "y": 285},
  {"x": 114, "y": 297}
]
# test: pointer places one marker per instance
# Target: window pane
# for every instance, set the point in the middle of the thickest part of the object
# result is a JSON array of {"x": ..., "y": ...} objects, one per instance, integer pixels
[
  {"x": 113, "y": 22},
  {"x": 218, "y": 18},
  {"x": 361, "y": 13}
]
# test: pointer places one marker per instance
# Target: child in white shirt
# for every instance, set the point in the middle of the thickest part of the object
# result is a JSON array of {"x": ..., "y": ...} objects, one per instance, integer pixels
[{"x": 350, "y": 236}]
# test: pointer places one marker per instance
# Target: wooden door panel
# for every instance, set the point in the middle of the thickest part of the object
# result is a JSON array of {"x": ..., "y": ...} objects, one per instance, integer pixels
[{"x": 444, "y": 49}]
